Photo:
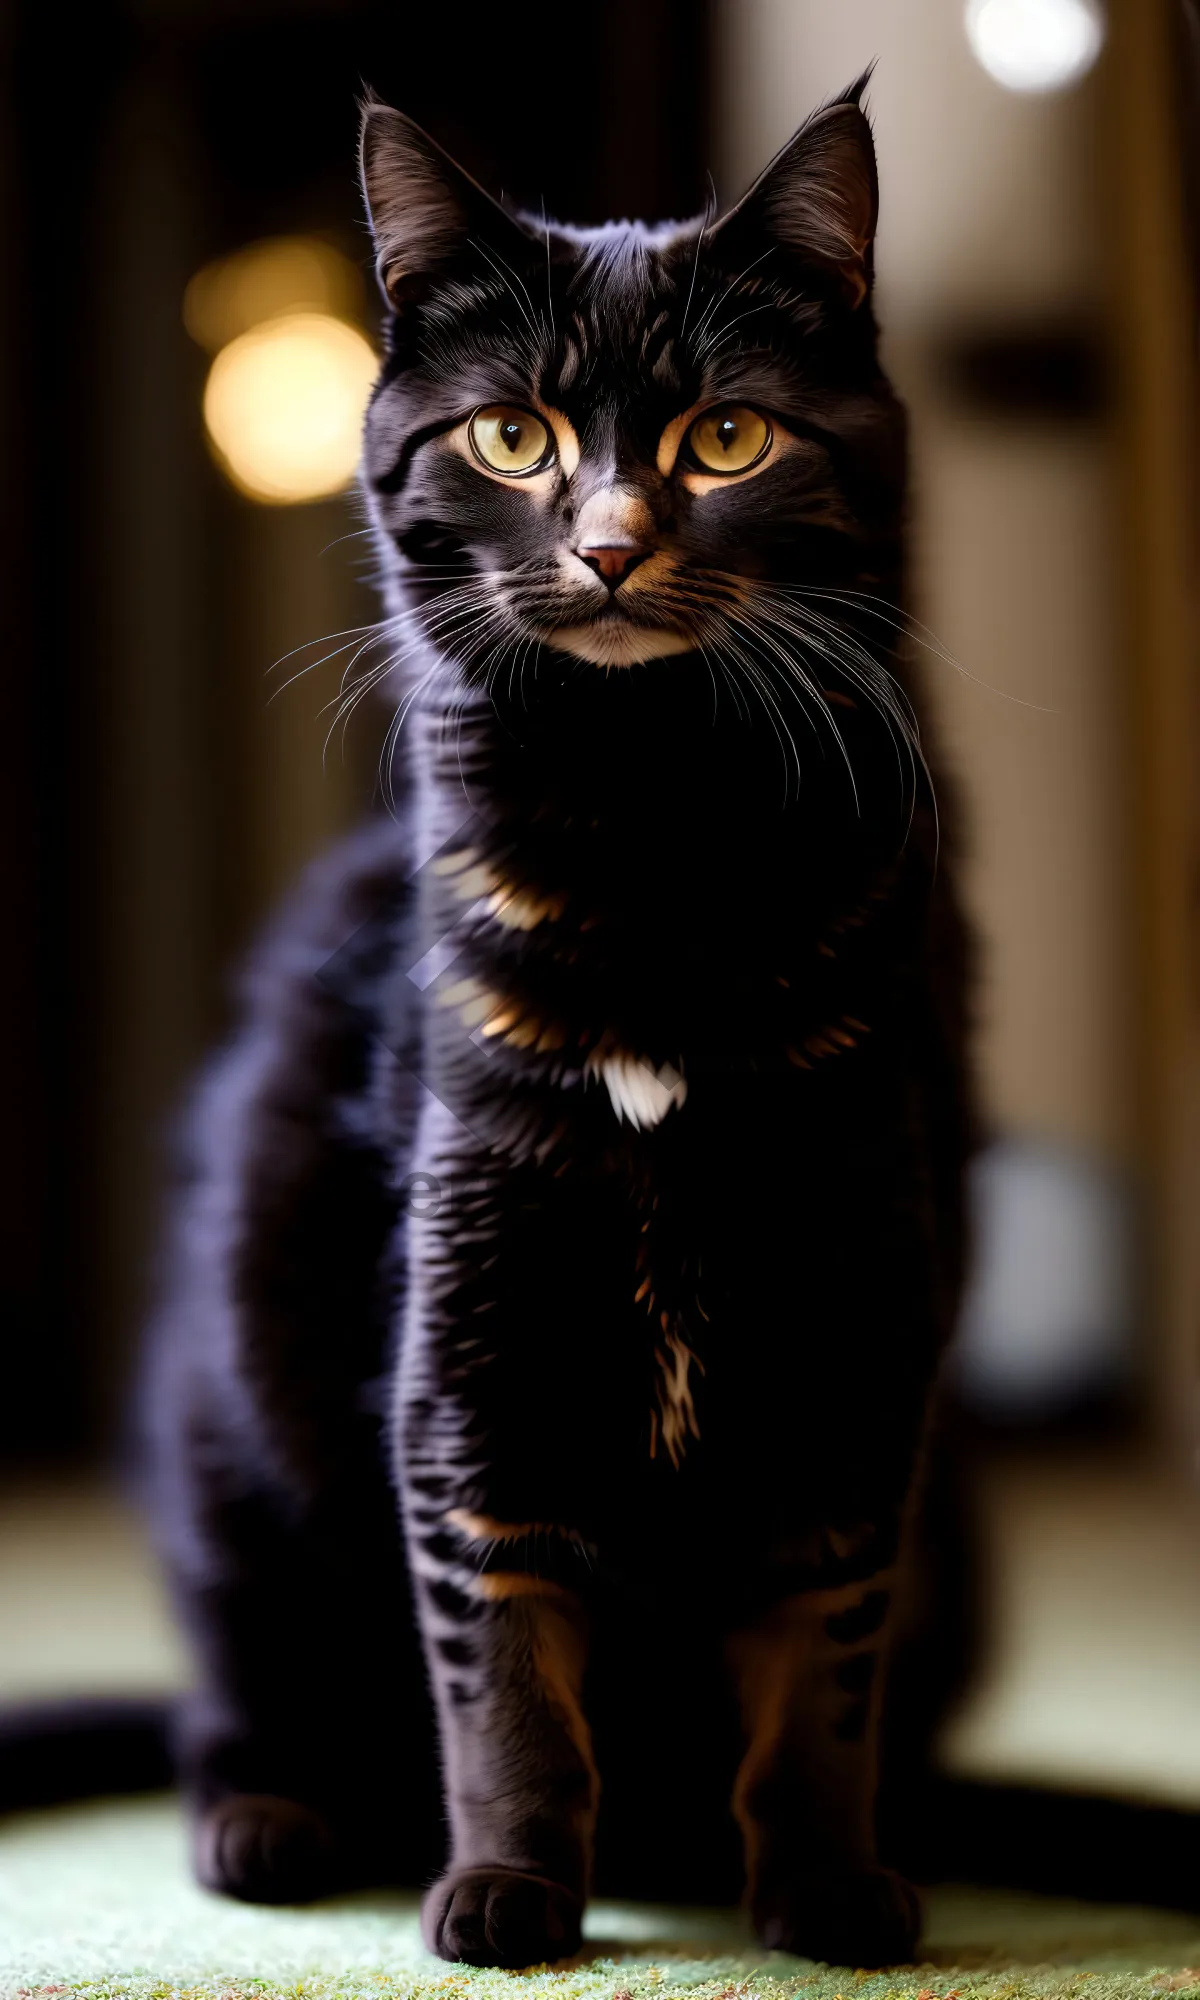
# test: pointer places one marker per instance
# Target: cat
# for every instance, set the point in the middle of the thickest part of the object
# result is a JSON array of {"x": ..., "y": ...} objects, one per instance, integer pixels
[{"x": 540, "y": 1391}]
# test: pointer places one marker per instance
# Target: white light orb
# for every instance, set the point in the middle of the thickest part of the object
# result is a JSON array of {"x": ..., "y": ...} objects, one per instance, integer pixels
[
  {"x": 284, "y": 406},
  {"x": 1035, "y": 45}
]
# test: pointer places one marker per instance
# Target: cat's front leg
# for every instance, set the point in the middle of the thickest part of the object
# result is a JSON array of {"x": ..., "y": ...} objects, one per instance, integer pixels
[
  {"x": 810, "y": 1680},
  {"x": 497, "y": 1572},
  {"x": 506, "y": 1651}
]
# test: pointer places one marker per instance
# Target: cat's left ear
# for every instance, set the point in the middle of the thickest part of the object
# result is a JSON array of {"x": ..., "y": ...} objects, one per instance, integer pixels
[
  {"x": 425, "y": 212},
  {"x": 819, "y": 197}
]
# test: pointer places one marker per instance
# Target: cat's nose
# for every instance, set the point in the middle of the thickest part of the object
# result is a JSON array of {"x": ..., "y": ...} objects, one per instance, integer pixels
[{"x": 612, "y": 560}]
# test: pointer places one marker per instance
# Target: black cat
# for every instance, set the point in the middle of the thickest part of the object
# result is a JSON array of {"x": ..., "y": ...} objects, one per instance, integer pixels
[{"x": 575, "y": 1224}]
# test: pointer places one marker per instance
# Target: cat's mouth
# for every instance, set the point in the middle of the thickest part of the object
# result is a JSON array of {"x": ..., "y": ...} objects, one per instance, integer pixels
[{"x": 617, "y": 641}]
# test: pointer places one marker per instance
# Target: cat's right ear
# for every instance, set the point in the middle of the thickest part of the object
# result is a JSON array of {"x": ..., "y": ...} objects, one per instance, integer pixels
[{"x": 423, "y": 209}]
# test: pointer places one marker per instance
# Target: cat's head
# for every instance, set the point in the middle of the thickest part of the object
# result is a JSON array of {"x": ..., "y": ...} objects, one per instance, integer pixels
[{"x": 628, "y": 442}]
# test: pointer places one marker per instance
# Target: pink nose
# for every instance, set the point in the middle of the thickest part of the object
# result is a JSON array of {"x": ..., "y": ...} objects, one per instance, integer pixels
[{"x": 612, "y": 560}]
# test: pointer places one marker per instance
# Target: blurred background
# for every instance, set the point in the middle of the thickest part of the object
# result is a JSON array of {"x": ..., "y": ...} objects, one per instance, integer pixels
[{"x": 188, "y": 335}]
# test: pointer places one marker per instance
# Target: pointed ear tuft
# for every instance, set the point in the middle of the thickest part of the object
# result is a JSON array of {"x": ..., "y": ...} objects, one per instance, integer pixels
[
  {"x": 423, "y": 209},
  {"x": 819, "y": 197}
]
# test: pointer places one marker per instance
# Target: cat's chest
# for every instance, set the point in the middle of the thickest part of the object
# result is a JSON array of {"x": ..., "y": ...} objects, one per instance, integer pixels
[{"x": 635, "y": 993}]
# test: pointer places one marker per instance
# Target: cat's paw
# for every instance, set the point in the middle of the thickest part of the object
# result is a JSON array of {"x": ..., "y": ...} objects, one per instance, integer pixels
[
  {"x": 860, "y": 1917},
  {"x": 264, "y": 1849},
  {"x": 499, "y": 1916}
]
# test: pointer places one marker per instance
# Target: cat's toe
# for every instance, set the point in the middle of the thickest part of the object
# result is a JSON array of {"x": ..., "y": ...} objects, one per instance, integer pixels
[
  {"x": 499, "y": 1916},
  {"x": 264, "y": 1850},
  {"x": 860, "y": 1917}
]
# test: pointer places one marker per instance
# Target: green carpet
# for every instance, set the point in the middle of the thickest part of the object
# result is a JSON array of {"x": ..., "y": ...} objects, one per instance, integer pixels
[{"x": 97, "y": 1901}]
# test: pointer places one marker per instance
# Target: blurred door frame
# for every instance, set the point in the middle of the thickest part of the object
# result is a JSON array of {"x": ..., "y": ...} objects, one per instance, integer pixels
[{"x": 1152, "y": 82}]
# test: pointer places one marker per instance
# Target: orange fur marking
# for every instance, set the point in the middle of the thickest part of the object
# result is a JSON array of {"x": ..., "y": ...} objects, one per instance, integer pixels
[
  {"x": 485, "y": 1527},
  {"x": 497, "y": 1587}
]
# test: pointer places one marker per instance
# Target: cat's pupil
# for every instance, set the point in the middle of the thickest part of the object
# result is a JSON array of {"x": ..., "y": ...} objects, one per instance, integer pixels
[
  {"x": 510, "y": 433},
  {"x": 727, "y": 431}
]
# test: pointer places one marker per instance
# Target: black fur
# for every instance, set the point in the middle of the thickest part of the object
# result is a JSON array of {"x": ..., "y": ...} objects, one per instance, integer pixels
[{"x": 588, "y": 1299}]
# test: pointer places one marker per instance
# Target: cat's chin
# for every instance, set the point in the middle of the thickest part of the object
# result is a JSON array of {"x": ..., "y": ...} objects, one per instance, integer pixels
[{"x": 607, "y": 643}]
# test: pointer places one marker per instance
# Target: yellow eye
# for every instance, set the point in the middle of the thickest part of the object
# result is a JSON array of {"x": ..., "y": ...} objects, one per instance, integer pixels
[
  {"x": 509, "y": 440},
  {"x": 729, "y": 439}
]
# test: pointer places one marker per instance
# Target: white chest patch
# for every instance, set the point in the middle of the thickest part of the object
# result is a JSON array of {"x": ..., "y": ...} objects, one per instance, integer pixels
[{"x": 639, "y": 1092}]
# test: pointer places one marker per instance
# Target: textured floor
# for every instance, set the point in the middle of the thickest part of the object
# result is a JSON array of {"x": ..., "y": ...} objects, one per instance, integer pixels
[{"x": 97, "y": 1901}]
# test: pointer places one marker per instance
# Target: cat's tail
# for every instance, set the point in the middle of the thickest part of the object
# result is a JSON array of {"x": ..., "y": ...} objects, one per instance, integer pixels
[{"x": 55, "y": 1751}]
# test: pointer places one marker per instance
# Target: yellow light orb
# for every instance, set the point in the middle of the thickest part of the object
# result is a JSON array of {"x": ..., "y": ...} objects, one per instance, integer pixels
[
  {"x": 264, "y": 280},
  {"x": 284, "y": 406}
]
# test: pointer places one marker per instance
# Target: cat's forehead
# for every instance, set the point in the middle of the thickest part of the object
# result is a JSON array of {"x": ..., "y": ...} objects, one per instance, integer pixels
[
  {"x": 618, "y": 352},
  {"x": 619, "y": 319},
  {"x": 593, "y": 329}
]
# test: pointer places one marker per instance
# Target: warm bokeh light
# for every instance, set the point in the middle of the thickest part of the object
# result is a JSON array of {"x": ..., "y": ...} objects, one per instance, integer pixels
[
  {"x": 284, "y": 406},
  {"x": 264, "y": 280},
  {"x": 1035, "y": 44}
]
